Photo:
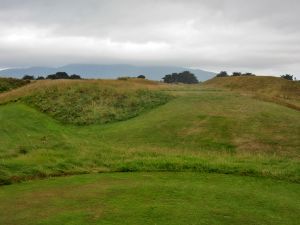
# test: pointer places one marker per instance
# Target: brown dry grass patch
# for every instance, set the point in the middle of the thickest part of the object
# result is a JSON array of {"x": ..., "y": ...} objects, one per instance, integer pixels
[{"x": 266, "y": 88}]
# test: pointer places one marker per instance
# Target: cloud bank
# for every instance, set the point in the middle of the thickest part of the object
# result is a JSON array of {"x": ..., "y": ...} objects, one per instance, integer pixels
[{"x": 261, "y": 36}]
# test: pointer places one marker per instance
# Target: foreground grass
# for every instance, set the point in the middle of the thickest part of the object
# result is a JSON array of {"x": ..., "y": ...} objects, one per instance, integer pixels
[
  {"x": 151, "y": 198},
  {"x": 199, "y": 130}
]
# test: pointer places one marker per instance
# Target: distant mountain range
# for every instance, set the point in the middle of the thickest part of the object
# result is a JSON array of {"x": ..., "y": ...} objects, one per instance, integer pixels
[{"x": 106, "y": 71}]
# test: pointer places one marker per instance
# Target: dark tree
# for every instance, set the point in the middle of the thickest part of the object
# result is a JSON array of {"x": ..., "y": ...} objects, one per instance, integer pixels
[
  {"x": 28, "y": 77},
  {"x": 75, "y": 77},
  {"x": 222, "y": 74},
  {"x": 170, "y": 78},
  {"x": 287, "y": 77},
  {"x": 141, "y": 76},
  {"x": 62, "y": 75},
  {"x": 185, "y": 77},
  {"x": 40, "y": 78},
  {"x": 188, "y": 78},
  {"x": 58, "y": 75},
  {"x": 236, "y": 74},
  {"x": 248, "y": 74},
  {"x": 51, "y": 77}
]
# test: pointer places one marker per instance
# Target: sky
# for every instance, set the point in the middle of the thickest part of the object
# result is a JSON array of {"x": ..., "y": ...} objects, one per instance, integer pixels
[{"x": 259, "y": 36}]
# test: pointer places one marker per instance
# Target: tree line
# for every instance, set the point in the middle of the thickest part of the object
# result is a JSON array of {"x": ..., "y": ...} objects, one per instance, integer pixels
[
  {"x": 237, "y": 74},
  {"x": 234, "y": 74},
  {"x": 58, "y": 75},
  {"x": 288, "y": 77}
]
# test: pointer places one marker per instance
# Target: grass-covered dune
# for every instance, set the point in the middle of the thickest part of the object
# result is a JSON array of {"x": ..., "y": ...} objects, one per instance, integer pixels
[
  {"x": 7, "y": 84},
  {"x": 197, "y": 129},
  {"x": 89, "y": 101},
  {"x": 278, "y": 90}
]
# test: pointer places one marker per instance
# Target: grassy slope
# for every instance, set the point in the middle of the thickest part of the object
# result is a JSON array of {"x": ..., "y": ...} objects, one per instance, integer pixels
[
  {"x": 90, "y": 104},
  {"x": 200, "y": 130},
  {"x": 272, "y": 89},
  {"x": 151, "y": 198},
  {"x": 7, "y": 84}
]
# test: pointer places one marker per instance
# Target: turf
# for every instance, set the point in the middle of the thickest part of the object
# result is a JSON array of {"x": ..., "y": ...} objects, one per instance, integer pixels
[{"x": 151, "y": 198}]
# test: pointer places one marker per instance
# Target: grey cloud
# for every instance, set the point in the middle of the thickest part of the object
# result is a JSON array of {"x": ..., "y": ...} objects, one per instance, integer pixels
[{"x": 257, "y": 35}]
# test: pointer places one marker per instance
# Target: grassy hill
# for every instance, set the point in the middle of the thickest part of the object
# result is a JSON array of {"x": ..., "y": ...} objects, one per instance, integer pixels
[
  {"x": 267, "y": 88},
  {"x": 7, "y": 84},
  {"x": 89, "y": 101},
  {"x": 199, "y": 130},
  {"x": 202, "y": 131}
]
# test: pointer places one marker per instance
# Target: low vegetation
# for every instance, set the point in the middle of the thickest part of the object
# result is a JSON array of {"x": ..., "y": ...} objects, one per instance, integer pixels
[
  {"x": 7, "y": 84},
  {"x": 274, "y": 89},
  {"x": 92, "y": 104},
  {"x": 288, "y": 77}
]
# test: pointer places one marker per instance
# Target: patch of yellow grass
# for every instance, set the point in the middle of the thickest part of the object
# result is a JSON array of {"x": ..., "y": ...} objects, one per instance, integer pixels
[{"x": 266, "y": 88}]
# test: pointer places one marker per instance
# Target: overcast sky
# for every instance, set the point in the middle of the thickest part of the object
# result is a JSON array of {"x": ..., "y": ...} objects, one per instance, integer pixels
[{"x": 261, "y": 36}]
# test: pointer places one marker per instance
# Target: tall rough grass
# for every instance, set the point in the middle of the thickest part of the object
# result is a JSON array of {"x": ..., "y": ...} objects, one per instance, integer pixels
[
  {"x": 7, "y": 84},
  {"x": 266, "y": 88},
  {"x": 40, "y": 85},
  {"x": 91, "y": 104}
]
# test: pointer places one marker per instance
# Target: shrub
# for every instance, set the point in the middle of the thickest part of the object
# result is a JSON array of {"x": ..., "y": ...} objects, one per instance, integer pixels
[
  {"x": 236, "y": 74},
  {"x": 28, "y": 77},
  {"x": 141, "y": 76},
  {"x": 58, "y": 75},
  {"x": 248, "y": 74},
  {"x": 222, "y": 74},
  {"x": 287, "y": 77},
  {"x": 40, "y": 78},
  {"x": 75, "y": 77},
  {"x": 185, "y": 77}
]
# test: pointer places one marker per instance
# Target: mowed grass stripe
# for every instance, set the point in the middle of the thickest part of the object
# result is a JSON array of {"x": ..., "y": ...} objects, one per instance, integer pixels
[{"x": 151, "y": 198}]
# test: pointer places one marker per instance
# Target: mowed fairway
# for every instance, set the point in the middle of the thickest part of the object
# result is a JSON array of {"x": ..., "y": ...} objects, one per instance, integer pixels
[
  {"x": 151, "y": 198},
  {"x": 203, "y": 156}
]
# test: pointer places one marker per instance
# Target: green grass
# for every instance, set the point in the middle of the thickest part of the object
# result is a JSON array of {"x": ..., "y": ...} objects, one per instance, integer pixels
[
  {"x": 151, "y": 198},
  {"x": 90, "y": 104},
  {"x": 204, "y": 156},
  {"x": 200, "y": 130}
]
